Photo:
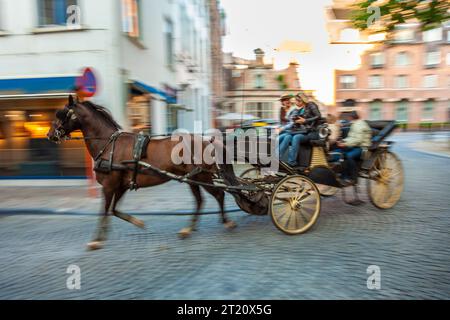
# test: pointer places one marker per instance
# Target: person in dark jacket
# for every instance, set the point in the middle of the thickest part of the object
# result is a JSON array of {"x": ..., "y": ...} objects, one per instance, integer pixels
[{"x": 302, "y": 125}]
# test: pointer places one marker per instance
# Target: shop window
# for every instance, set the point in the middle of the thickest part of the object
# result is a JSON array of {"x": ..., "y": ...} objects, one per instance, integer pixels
[
  {"x": 375, "y": 110},
  {"x": 428, "y": 110},
  {"x": 401, "y": 111}
]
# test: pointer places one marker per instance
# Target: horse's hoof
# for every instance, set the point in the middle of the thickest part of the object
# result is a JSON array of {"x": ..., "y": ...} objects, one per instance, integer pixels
[
  {"x": 230, "y": 225},
  {"x": 138, "y": 223},
  {"x": 185, "y": 233},
  {"x": 95, "y": 245}
]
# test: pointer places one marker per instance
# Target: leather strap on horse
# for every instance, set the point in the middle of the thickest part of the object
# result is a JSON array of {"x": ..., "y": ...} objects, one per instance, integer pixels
[
  {"x": 112, "y": 141},
  {"x": 140, "y": 146}
]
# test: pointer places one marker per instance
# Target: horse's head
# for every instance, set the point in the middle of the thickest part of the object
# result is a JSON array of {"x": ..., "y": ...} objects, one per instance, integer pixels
[{"x": 66, "y": 122}]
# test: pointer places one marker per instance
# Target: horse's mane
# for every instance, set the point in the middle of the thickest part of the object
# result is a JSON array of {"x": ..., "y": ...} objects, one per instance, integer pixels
[{"x": 102, "y": 112}]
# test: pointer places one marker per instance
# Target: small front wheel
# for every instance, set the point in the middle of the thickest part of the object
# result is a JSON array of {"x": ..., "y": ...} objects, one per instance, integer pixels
[{"x": 295, "y": 204}]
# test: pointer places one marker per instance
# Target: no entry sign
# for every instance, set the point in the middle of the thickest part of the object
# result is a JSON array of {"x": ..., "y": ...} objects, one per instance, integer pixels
[{"x": 87, "y": 83}]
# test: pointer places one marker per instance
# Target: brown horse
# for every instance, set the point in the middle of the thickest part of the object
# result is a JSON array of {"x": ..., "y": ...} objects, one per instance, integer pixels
[{"x": 98, "y": 126}]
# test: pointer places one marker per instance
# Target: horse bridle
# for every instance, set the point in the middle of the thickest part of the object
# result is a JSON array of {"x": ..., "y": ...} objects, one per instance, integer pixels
[{"x": 60, "y": 132}]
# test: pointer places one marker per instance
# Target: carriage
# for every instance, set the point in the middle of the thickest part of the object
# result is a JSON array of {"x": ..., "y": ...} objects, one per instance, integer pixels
[{"x": 293, "y": 195}]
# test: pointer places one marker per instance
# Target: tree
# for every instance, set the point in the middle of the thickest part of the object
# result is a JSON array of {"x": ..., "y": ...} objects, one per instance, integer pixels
[{"x": 377, "y": 16}]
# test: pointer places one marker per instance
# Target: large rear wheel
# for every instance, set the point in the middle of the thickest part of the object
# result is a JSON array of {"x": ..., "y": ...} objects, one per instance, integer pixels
[
  {"x": 386, "y": 183},
  {"x": 295, "y": 204}
]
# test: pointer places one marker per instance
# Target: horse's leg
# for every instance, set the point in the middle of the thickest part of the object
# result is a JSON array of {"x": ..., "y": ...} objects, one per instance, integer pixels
[
  {"x": 102, "y": 228},
  {"x": 186, "y": 232},
  {"x": 126, "y": 217},
  {"x": 219, "y": 195}
]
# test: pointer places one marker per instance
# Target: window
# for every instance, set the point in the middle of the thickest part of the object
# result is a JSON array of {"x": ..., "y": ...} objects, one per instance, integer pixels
[
  {"x": 427, "y": 111},
  {"x": 377, "y": 59},
  {"x": 185, "y": 29},
  {"x": 348, "y": 82},
  {"x": 448, "y": 35},
  {"x": 131, "y": 18},
  {"x": 375, "y": 81},
  {"x": 169, "y": 42},
  {"x": 259, "y": 81},
  {"x": 432, "y": 35},
  {"x": 401, "y": 81},
  {"x": 432, "y": 58},
  {"x": 56, "y": 12},
  {"x": 401, "y": 111},
  {"x": 404, "y": 35},
  {"x": 402, "y": 59},
  {"x": 262, "y": 110},
  {"x": 375, "y": 110},
  {"x": 430, "y": 81}
]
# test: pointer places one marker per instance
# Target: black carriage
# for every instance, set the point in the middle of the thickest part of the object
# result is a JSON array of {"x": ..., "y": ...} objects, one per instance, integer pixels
[{"x": 292, "y": 196}]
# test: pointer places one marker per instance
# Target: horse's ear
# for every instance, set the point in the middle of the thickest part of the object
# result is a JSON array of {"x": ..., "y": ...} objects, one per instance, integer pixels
[{"x": 71, "y": 102}]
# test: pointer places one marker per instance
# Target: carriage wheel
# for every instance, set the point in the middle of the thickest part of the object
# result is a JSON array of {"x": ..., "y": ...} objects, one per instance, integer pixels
[
  {"x": 252, "y": 173},
  {"x": 386, "y": 184},
  {"x": 295, "y": 204}
]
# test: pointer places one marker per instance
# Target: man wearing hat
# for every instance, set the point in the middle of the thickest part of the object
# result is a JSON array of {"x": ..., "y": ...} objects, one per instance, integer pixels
[
  {"x": 303, "y": 119},
  {"x": 285, "y": 106}
]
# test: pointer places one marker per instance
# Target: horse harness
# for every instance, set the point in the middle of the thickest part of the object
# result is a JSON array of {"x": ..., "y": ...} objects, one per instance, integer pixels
[{"x": 141, "y": 142}]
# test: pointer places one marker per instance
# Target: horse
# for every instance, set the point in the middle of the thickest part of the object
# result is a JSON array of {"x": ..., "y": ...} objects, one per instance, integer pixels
[{"x": 98, "y": 127}]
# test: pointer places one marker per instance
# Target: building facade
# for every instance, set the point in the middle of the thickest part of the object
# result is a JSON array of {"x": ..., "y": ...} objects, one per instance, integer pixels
[
  {"x": 407, "y": 79},
  {"x": 254, "y": 87},
  {"x": 151, "y": 60}
]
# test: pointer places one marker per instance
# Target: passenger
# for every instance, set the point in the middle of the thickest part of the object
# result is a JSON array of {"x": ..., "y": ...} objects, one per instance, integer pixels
[
  {"x": 358, "y": 140},
  {"x": 287, "y": 131},
  {"x": 304, "y": 121},
  {"x": 335, "y": 130}
]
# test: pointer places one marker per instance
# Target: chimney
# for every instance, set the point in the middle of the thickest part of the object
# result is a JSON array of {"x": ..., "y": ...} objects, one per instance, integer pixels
[{"x": 259, "y": 56}]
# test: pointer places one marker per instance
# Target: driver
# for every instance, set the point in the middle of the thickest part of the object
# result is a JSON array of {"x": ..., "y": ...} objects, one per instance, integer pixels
[{"x": 359, "y": 138}]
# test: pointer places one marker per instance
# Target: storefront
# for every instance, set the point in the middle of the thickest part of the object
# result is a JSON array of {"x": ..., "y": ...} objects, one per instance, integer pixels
[
  {"x": 27, "y": 108},
  {"x": 149, "y": 107}
]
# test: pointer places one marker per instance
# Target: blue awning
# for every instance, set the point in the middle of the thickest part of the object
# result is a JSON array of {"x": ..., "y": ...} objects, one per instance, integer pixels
[
  {"x": 153, "y": 90},
  {"x": 33, "y": 86}
]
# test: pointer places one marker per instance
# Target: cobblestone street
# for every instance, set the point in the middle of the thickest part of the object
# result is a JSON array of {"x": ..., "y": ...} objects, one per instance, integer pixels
[{"x": 410, "y": 244}]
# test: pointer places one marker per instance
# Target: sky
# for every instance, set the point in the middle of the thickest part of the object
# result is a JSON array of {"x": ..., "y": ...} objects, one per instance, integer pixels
[{"x": 266, "y": 24}]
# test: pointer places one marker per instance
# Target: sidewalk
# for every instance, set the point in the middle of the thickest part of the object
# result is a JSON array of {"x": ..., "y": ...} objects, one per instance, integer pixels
[
  {"x": 435, "y": 144},
  {"x": 172, "y": 197}
]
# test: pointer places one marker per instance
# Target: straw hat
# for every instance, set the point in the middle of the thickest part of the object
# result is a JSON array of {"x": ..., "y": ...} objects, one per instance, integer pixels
[{"x": 287, "y": 96}]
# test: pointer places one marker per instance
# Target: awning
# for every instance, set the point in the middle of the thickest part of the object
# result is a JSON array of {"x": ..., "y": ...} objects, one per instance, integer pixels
[
  {"x": 36, "y": 87},
  {"x": 149, "y": 89}
]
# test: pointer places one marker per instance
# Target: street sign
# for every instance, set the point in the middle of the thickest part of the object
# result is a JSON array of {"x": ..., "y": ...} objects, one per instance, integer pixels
[{"x": 87, "y": 83}]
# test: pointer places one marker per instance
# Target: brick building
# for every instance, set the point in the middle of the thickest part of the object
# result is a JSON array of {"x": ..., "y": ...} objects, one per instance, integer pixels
[
  {"x": 407, "y": 78},
  {"x": 254, "y": 87}
]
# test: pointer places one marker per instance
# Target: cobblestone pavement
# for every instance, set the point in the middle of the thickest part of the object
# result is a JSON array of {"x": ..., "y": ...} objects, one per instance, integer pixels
[{"x": 410, "y": 244}]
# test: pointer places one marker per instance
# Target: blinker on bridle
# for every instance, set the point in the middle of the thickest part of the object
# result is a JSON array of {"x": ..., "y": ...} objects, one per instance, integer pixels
[{"x": 60, "y": 131}]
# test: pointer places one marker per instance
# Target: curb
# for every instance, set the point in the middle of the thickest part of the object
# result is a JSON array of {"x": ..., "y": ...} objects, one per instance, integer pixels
[
  {"x": 429, "y": 153},
  {"x": 75, "y": 213}
]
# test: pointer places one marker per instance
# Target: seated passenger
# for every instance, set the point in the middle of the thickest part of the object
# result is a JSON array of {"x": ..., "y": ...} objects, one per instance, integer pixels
[
  {"x": 288, "y": 130},
  {"x": 335, "y": 130},
  {"x": 303, "y": 125},
  {"x": 358, "y": 140}
]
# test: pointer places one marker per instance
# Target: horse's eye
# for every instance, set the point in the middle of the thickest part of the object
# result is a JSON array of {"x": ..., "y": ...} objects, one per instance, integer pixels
[{"x": 60, "y": 114}]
